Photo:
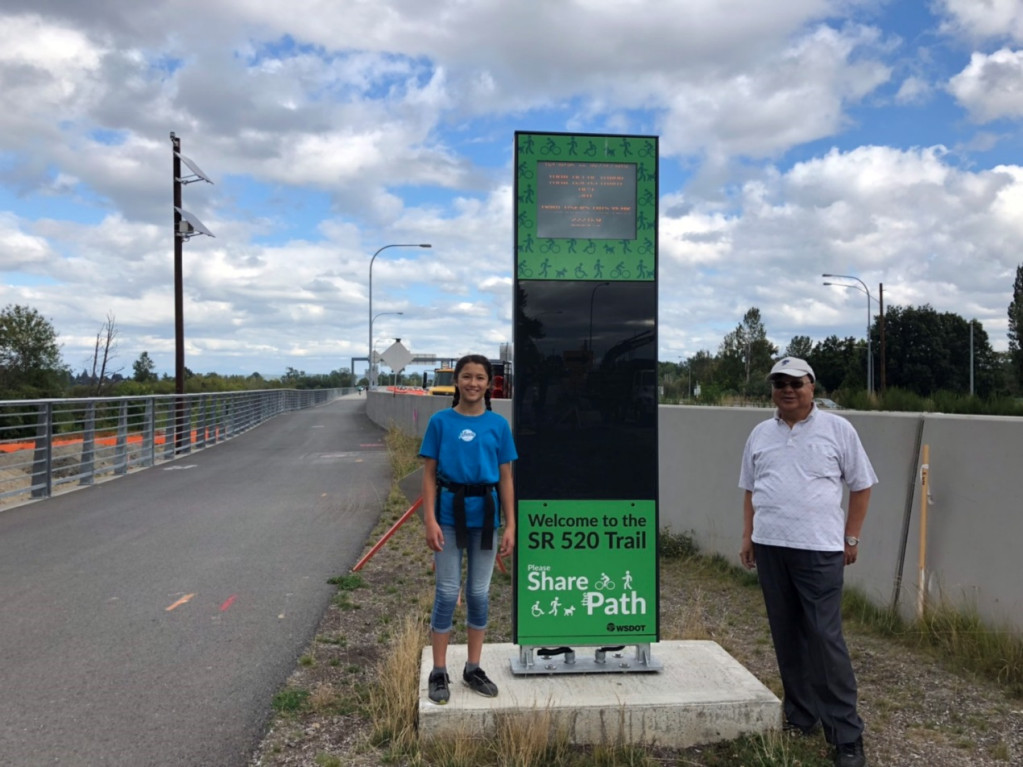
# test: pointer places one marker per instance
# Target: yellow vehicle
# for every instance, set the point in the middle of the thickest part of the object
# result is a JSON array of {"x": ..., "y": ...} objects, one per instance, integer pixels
[{"x": 443, "y": 382}]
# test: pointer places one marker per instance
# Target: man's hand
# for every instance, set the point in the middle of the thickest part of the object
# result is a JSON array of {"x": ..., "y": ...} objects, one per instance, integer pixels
[
  {"x": 746, "y": 555},
  {"x": 850, "y": 554}
]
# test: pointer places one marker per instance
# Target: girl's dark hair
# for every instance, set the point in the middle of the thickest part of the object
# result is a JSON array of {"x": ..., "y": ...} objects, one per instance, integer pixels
[{"x": 479, "y": 359}]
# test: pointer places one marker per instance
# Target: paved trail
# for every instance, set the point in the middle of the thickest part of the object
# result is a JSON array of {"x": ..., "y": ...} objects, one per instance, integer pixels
[{"x": 150, "y": 620}]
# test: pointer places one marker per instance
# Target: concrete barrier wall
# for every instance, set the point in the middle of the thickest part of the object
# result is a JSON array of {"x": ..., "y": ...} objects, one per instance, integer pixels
[{"x": 975, "y": 524}]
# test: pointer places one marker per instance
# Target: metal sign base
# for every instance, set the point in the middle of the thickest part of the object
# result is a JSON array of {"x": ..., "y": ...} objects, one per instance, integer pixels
[{"x": 563, "y": 660}]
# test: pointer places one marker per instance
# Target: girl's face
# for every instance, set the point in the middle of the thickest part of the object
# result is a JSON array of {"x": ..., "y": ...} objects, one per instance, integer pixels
[{"x": 472, "y": 383}]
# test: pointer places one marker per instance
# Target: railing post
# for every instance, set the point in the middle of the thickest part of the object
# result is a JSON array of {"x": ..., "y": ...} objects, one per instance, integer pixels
[
  {"x": 185, "y": 411},
  {"x": 149, "y": 434},
  {"x": 42, "y": 460},
  {"x": 121, "y": 447},
  {"x": 87, "y": 467},
  {"x": 170, "y": 431},
  {"x": 200, "y": 424}
]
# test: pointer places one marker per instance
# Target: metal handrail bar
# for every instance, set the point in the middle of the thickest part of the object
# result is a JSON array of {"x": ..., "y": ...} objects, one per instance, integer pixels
[{"x": 48, "y": 445}]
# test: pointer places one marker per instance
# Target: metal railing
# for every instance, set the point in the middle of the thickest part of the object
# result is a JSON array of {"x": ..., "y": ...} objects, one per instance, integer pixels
[{"x": 48, "y": 445}]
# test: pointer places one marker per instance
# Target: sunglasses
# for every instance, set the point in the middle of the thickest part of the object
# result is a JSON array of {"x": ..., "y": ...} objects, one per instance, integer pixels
[{"x": 781, "y": 383}]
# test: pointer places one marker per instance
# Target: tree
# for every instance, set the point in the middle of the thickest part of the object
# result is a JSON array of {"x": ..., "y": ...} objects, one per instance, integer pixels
[
  {"x": 930, "y": 352},
  {"x": 800, "y": 346},
  {"x": 144, "y": 368},
  {"x": 746, "y": 354},
  {"x": 30, "y": 363},
  {"x": 837, "y": 363},
  {"x": 104, "y": 351},
  {"x": 1016, "y": 332}
]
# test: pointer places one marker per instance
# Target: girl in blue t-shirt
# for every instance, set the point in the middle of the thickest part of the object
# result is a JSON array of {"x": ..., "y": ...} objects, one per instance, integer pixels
[{"x": 467, "y": 456}]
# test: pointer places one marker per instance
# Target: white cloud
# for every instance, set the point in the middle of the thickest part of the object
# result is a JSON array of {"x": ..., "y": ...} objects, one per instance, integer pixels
[
  {"x": 984, "y": 19},
  {"x": 991, "y": 86},
  {"x": 334, "y": 128}
]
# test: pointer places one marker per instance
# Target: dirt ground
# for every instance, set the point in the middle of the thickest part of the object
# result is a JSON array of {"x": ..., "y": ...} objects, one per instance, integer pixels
[{"x": 917, "y": 711}]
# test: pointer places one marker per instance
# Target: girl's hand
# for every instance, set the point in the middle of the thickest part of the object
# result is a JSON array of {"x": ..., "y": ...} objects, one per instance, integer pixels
[
  {"x": 507, "y": 543},
  {"x": 434, "y": 536}
]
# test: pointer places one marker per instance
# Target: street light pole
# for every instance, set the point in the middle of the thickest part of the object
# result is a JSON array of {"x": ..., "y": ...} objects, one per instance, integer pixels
[
  {"x": 372, "y": 345},
  {"x": 370, "y": 377},
  {"x": 862, "y": 287}
]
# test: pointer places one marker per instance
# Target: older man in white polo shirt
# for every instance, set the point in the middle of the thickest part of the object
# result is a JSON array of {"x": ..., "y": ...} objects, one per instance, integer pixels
[{"x": 798, "y": 536}]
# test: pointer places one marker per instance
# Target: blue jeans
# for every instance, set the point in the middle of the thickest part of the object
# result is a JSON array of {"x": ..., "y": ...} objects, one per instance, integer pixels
[{"x": 448, "y": 564}]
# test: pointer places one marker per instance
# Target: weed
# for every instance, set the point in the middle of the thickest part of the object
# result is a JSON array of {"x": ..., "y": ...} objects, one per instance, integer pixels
[
  {"x": 676, "y": 545},
  {"x": 290, "y": 701},
  {"x": 394, "y": 700},
  {"x": 344, "y": 602},
  {"x": 348, "y": 582}
]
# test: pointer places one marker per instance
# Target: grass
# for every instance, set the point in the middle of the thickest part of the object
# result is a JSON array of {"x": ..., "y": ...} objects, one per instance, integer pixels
[
  {"x": 389, "y": 703},
  {"x": 290, "y": 701},
  {"x": 955, "y": 635}
]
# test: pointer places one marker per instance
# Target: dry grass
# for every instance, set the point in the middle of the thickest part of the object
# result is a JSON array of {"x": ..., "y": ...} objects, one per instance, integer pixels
[{"x": 357, "y": 703}]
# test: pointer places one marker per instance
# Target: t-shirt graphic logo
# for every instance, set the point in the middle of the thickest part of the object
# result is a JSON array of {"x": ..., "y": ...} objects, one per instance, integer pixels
[{"x": 467, "y": 435}]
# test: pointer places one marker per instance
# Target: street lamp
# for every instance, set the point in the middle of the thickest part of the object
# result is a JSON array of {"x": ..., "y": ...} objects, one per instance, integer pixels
[
  {"x": 371, "y": 377},
  {"x": 862, "y": 287},
  {"x": 372, "y": 351}
]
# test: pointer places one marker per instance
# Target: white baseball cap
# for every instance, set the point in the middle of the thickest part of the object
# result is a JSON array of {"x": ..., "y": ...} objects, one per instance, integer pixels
[{"x": 792, "y": 366}]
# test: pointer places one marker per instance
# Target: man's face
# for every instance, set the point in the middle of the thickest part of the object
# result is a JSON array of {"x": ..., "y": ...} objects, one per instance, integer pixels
[{"x": 792, "y": 401}]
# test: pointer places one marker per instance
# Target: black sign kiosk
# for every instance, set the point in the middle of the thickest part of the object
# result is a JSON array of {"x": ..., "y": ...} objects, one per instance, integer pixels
[{"x": 585, "y": 402}]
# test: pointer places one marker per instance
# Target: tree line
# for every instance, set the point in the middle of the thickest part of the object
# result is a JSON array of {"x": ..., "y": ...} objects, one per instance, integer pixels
[
  {"x": 916, "y": 352},
  {"x": 919, "y": 356},
  {"x": 31, "y": 367}
]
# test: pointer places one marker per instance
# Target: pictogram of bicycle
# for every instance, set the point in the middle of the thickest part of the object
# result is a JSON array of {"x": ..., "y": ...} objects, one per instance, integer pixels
[
  {"x": 604, "y": 583},
  {"x": 550, "y": 147},
  {"x": 620, "y": 272}
]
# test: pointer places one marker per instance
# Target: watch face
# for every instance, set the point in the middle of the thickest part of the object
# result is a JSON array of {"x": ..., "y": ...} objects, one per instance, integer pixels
[{"x": 851, "y": 540}]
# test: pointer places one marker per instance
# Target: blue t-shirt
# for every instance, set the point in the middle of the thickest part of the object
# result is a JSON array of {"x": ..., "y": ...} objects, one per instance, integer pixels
[{"x": 469, "y": 450}]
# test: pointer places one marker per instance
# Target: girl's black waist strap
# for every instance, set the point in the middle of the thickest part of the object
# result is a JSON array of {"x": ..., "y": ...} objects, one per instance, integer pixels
[{"x": 461, "y": 492}]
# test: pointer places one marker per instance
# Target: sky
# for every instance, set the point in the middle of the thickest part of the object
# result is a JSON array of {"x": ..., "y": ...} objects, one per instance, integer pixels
[{"x": 873, "y": 138}]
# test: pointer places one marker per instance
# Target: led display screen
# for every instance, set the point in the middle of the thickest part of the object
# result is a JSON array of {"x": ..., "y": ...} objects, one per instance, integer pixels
[{"x": 592, "y": 200}]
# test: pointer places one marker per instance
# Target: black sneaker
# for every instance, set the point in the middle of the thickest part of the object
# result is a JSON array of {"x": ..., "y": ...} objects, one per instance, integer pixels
[
  {"x": 850, "y": 754},
  {"x": 439, "y": 692},
  {"x": 477, "y": 681},
  {"x": 798, "y": 729}
]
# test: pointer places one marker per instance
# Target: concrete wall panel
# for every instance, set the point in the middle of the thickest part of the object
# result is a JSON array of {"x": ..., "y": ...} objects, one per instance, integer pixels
[{"x": 975, "y": 523}]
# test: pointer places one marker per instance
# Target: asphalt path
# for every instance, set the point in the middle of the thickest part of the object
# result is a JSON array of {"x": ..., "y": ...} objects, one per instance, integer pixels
[{"x": 150, "y": 620}]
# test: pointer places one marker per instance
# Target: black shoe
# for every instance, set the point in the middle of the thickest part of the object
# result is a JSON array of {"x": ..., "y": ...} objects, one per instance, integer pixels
[
  {"x": 479, "y": 682},
  {"x": 439, "y": 692},
  {"x": 850, "y": 754},
  {"x": 798, "y": 729}
]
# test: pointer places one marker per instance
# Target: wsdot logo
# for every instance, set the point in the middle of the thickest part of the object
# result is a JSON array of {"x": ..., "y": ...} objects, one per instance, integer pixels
[{"x": 612, "y": 627}]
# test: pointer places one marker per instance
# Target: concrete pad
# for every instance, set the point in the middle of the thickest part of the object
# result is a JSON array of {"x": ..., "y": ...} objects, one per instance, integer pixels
[{"x": 701, "y": 695}]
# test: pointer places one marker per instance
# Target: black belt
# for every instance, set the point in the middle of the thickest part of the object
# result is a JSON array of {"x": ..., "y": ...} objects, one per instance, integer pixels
[{"x": 461, "y": 492}]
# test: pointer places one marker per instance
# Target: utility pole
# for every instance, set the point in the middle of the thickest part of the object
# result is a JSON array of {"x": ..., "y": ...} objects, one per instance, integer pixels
[
  {"x": 880, "y": 303},
  {"x": 179, "y": 289}
]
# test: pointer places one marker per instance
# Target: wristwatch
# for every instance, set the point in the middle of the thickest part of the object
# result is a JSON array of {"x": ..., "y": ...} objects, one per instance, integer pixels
[{"x": 852, "y": 540}]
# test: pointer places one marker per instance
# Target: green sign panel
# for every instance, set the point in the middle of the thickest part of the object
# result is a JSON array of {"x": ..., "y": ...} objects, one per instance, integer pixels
[
  {"x": 586, "y": 572},
  {"x": 586, "y": 207}
]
